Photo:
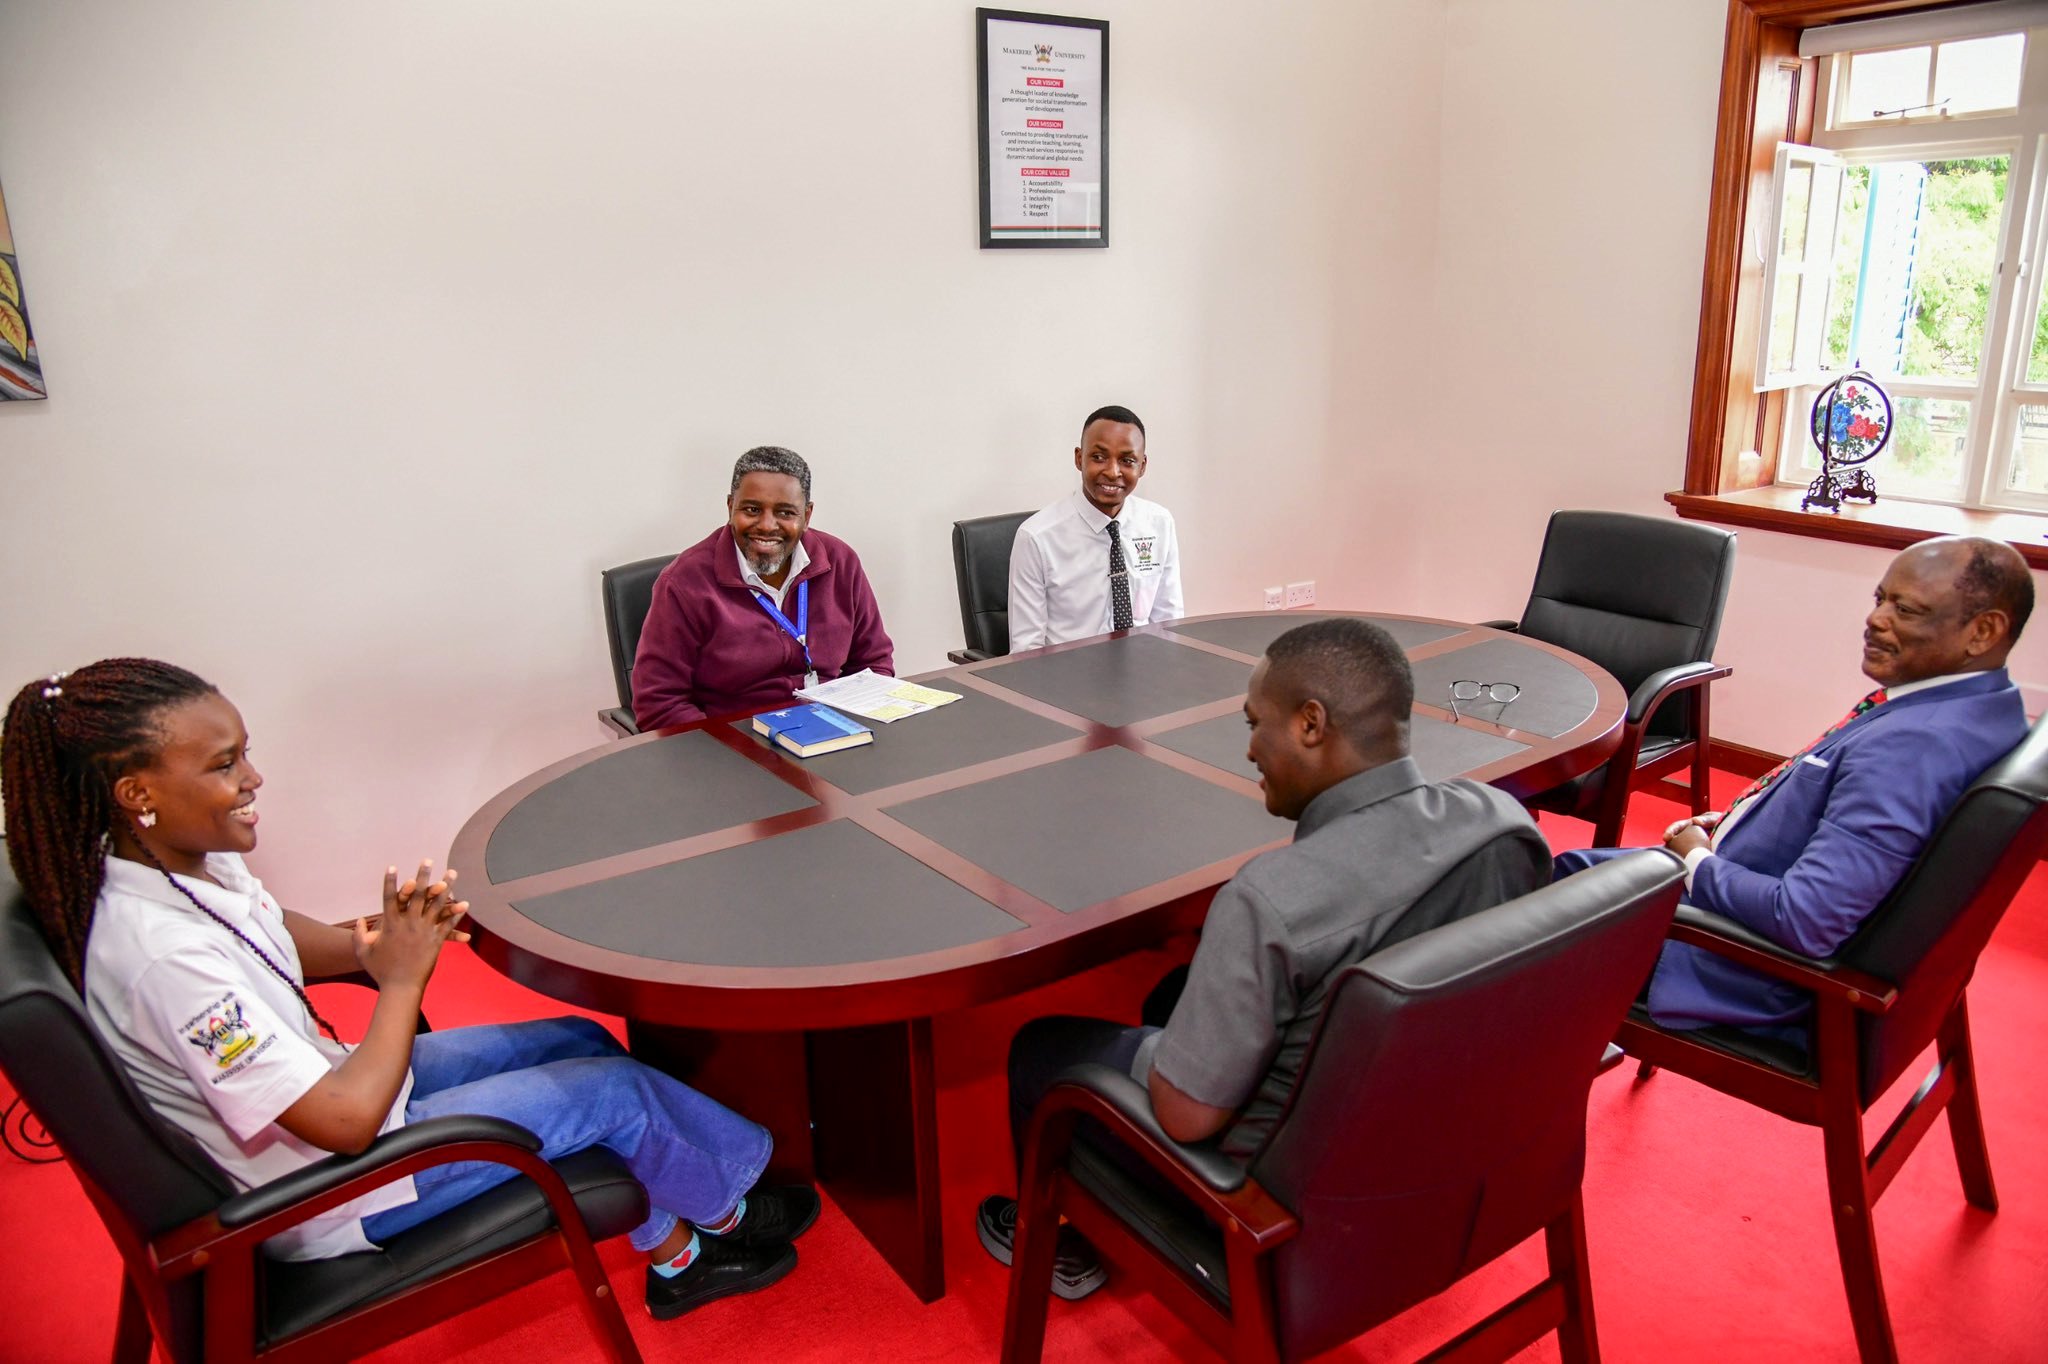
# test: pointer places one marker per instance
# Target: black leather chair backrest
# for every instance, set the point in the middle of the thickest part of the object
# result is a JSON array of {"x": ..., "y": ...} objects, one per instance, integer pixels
[
  {"x": 1633, "y": 593},
  {"x": 1441, "y": 1117},
  {"x": 1927, "y": 934},
  {"x": 981, "y": 570},
  {"x": 147, "y": 1174},
  {"x": 628, "y": 592}
]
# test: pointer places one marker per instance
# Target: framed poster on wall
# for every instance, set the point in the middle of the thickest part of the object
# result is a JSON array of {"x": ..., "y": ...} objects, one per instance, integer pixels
[
  {"x": 1044, "y": 86},
  {"x": 21, "y": 368}
]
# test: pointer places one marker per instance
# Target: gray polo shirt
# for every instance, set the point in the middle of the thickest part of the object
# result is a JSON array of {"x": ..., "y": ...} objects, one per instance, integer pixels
[{"x": 1377, "y": 858}]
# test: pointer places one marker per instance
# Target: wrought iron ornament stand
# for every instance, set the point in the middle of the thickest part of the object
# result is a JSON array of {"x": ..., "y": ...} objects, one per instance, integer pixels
[{"x": 1849, "y": 437}]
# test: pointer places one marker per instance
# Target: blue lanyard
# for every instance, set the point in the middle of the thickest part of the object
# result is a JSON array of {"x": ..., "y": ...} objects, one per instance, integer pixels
[{"x": 797, "y": 631}]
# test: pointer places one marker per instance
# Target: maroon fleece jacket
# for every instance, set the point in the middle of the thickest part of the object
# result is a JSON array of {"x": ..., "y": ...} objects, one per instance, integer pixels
[{"x": 709, "y": 649}]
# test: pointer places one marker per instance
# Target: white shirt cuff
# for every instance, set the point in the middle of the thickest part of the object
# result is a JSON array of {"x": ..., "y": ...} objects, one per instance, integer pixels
[{"x": 1692, "y": 864}]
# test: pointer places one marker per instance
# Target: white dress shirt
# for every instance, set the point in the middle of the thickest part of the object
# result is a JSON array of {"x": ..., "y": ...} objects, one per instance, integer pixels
[
  {"x": 1059, "y": 571},
  {"x": 216, "y": 1042},
  {"x": 799, "y": 560},
  {"x": 1734, "y": 816}
]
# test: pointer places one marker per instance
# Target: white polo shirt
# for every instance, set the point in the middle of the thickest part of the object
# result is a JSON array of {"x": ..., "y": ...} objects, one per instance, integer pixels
[
  {"x": 217, "y": 1044},
  {"x": 1059, "y": 571}
]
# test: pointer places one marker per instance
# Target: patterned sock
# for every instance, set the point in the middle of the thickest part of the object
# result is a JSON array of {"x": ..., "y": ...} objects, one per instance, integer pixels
[
  {"x": 726, "y": 1224},
  {"x": 682, "y": 1262}
]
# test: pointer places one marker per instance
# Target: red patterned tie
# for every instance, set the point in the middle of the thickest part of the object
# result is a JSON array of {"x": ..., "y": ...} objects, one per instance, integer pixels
[{"x": 1763, "y": 783}]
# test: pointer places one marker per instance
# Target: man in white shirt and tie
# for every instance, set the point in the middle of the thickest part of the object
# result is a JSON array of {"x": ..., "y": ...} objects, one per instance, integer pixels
[{"x": 1100, "y": 559}]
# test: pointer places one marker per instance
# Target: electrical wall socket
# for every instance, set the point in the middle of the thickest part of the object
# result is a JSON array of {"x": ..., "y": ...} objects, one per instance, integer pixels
[
  {"x": 1301, "y": 594},
  {"x": 1273, "y": 599}
]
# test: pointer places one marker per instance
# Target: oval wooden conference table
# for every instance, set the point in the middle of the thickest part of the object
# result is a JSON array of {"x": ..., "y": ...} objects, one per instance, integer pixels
[{"x": 782, "y": 933}]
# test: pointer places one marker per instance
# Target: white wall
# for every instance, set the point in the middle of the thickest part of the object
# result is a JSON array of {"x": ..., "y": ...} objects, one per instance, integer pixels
[
  {"x": 1577, "y": 138},
  {"x": 373, "y": 331}
]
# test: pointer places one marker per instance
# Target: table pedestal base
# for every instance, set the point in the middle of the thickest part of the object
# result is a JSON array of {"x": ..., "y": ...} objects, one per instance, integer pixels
[{"x": 856, "y": 1109}]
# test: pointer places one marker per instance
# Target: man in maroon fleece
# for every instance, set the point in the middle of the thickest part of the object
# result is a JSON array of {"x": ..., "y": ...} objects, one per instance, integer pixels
[{"x": 743, "y": 618}]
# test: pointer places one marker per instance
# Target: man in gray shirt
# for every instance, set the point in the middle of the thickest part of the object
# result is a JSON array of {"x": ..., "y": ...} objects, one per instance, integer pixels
[{"x": 1378, "y": 855}]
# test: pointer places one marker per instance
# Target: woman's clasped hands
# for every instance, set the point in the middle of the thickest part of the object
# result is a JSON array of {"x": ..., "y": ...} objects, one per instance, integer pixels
[{"x": 401, "y": 945}]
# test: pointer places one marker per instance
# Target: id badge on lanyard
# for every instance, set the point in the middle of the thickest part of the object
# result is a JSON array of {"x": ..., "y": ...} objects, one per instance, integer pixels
[{"x": 800, "y": 630}]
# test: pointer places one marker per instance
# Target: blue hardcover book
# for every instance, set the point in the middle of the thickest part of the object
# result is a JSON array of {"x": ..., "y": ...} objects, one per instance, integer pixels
[{"x": 810, "y": 730}]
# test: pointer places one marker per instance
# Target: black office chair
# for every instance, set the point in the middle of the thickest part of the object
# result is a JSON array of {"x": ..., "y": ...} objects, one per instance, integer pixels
[
  {"x": 981, "y": 570},
  {"x": 1892, "y": 990},
  {"x": 1642, "y": 597},
  {"x": 194, "y": 1274},
  {"x": 628, "y": 591},
  {"x": 1439, "y": 1121}
]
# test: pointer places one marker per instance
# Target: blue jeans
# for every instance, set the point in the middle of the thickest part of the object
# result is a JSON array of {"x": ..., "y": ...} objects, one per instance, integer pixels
[{"x": 569, "y": 1083}]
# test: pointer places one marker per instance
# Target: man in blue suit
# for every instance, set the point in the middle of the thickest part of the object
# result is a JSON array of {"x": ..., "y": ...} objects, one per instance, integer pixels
[{"x": 1805, "y": 854}]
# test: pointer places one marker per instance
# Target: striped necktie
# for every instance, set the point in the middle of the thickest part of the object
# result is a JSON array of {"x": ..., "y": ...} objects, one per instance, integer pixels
[
  {"x": 1763, "y": 783},
  {"x": 1119, "y": 583}
]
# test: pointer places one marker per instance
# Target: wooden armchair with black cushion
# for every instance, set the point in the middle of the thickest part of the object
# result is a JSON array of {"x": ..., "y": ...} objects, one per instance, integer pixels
[
  {"x": 981, "y": 570},
  {"x": 628, "y": 591},
  {"x": 1893, "y": 989},
  {"x": 195, "y": 1277},
  {"x": 1641, "y": 596},
  {"x": 1440, "y": 1120}
]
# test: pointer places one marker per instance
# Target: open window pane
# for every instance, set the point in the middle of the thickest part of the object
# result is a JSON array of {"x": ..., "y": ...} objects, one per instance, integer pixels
[
  {"x": 2037, "y": 355},
  {"x": 2029, "y": 472},
  {"x": 1798, "y": 208},
  {"x": 1807, "y": 189},
  {"x": 1883, "y": 83},
  {"x": 1979, "y": 73},
  {"x": 1915, "y": 267}
]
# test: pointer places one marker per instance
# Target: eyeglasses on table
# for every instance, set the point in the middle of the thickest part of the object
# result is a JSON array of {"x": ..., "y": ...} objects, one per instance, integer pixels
[{"x": 1502, "y": 692}]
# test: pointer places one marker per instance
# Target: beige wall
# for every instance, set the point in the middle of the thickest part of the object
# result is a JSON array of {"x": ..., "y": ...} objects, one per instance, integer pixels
[
  {"x": 1575, "y": 156},
  {"x": 374, "y": 331}
]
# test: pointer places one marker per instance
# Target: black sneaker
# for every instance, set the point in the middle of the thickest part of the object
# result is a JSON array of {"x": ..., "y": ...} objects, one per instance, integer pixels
[
  {"x": 776, "y": 1216},
  {"x": 1076, "y": 1272},
  {"x": 722, "y": 1268}
]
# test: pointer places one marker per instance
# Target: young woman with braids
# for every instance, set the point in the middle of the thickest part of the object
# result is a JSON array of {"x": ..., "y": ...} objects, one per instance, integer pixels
[{"x": 130, "y": 801}]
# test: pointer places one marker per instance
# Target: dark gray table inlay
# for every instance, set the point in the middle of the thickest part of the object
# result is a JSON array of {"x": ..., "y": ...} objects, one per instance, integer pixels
[
  {"x": 633, "y": 798},
  {"x": 1556, "y": 697},
  {"x": 971, "y": 730},
  {"x": 784, "y": 901},
  {"x": 1220, "y": 742},
  {"x": 1089, "y": 828},
  {"x": 1251, "y": 635},
  {"x": 1442, "y": 750},
  {"x": 1123, "y": 681}
]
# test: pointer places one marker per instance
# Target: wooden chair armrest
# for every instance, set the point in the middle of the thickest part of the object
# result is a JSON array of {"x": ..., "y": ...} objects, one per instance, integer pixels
[
  {"x": 243, "y": 1222},
  {"x": 1210, "y": 1179},
  {"x": 1513, "y": 627},
  {"x": 966, "y": 656},
  {"x": 1665, "y": 683},
  {"x": 1825, "y": 977}
]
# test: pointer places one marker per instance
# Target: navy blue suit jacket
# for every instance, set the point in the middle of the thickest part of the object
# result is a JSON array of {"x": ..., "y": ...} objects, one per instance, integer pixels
[{"x": 1817, "y": 851}]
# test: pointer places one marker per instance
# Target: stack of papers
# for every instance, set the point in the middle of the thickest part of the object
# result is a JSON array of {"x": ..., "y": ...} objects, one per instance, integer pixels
[{"x": 872, "y": 696}]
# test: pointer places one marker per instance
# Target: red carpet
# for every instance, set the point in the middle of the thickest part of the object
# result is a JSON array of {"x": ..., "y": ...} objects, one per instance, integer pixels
[{"x": 1709, "y": 1225}]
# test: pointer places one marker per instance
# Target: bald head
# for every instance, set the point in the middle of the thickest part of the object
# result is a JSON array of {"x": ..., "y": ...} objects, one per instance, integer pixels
[
  {"x": 1993, "y": 577},
  {"x": 1948, "y": 605}
]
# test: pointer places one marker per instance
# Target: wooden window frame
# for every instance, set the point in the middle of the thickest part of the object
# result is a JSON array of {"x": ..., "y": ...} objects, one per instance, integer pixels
[{"x": 1731, "y": 460}]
